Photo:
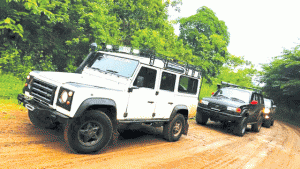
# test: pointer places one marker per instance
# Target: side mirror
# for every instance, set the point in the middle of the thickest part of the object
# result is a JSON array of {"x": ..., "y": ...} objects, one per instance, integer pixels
[
  {"x": 254, "y": 102},
  {"x": 140, "y": 81}
]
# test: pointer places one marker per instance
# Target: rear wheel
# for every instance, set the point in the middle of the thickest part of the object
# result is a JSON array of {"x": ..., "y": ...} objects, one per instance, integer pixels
[
  {"x": 201, "y": 118},
  {"x": 174, "y": 129},
  {"x": 257, "y": 126},
  {"x": 90, "y": 133}
]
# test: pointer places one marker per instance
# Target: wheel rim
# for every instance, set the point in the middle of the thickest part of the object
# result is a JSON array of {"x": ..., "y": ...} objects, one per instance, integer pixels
[
  {"x": 177, "y": 128},
  {"x": 90, "y": 133}
]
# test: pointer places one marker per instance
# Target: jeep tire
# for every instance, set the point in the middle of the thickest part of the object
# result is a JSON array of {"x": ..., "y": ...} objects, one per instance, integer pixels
[
  {"x": 173, "y": 129},
  {"x": 201, "y": 118},
  {"x": 89, "y": 133},
  {"x": 240, "y": 128},
  {"x": 40, "y": 121},
  {"x": 268, "y": 123},
  {"x": 257, "y": 126}
]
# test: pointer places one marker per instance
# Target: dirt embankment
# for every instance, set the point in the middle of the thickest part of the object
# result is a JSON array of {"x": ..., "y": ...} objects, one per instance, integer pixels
[{"x": 24, "y": 146}]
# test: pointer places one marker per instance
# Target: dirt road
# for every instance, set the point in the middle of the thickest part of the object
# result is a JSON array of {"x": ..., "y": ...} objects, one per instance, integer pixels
[{"x": 24, "y": 146}]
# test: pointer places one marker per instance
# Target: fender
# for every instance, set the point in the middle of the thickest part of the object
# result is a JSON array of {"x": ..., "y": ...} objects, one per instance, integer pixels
[
  {"x": 93, "y": 102},
  {"x": 176, "y": 109}
]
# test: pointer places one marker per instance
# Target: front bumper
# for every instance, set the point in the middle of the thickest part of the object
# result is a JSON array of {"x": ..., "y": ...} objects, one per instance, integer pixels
[
  {"x": 219, "y": 115},
  {"x": 42, "y": 110}
]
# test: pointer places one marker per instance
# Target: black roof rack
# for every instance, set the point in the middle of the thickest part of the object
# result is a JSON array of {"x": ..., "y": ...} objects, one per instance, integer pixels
[
  {"x": 237, "y": 86},
  {"x": 169, "y": 63}
]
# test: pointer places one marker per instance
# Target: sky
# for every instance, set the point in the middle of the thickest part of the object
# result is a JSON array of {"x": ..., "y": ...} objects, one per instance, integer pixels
[{"x": 259, "y": 29}]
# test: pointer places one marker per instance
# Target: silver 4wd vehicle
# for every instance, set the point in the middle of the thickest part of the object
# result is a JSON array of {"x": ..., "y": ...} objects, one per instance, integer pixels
[{"x": 109, "y": 90}]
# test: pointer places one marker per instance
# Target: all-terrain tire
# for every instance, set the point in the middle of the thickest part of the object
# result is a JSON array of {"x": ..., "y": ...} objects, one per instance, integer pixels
[
  {"x": 40, "y": 121},
  {"x": 257, "y": 126},
  {"x": 201, "y": 118},
  {"x": 89, "y": 133},
  {"x": 240, "y": 128},
  {"x": 174, "y": 129},
  {"x": 268, "y": 123}
]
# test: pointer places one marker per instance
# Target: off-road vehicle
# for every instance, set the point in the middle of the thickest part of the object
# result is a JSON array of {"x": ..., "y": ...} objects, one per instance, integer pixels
[
  {"x": 112, "y": 89},
  {"x": 235, "y": 104},
  {"x": 269, "y": 112}
]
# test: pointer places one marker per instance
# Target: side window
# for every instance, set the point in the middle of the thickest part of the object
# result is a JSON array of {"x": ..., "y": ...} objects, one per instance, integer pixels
[
  {"x": 146, "y": 78},
  {"x": 167, "y": 81},
  {"x": 187, "y": 85}
]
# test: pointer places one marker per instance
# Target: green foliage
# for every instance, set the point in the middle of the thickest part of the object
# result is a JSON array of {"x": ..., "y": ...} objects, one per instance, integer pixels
[
  {"x": 208, "y": 38},
  {"x": 237, "y": 71},
  {"x": 282, "y": 77},
  {"x": 10, "y": 86}
]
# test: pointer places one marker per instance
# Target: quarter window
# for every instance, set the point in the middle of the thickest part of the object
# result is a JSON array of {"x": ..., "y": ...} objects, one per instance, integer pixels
[{"x": 187, "y": 85}]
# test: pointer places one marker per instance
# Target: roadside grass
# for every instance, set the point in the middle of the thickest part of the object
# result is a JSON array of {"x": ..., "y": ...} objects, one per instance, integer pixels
[
  {"x": 287, "y": 115},
  {"x": 10, "y": 87}
]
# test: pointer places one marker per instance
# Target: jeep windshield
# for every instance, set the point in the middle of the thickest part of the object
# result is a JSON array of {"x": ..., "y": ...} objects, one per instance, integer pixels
[
  {"x": 115, "y": 65},
  {"x": 234, "y": 94}
]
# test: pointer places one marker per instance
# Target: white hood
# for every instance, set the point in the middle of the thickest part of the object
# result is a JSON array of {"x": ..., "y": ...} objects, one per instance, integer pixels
[{"x": 97, "y": 79}]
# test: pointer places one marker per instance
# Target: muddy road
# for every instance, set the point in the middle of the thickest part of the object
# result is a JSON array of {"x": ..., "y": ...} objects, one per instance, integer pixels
[{"x": 23, "y": 145}]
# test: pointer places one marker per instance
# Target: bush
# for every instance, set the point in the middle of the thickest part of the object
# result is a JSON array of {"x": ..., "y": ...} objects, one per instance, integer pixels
[{"x": 10, "y": 86}]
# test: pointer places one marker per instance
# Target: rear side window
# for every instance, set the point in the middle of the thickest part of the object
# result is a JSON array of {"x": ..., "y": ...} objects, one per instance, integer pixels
[
  {"x": 168, "y": 81},
  {"x": 187, "y": 85}
]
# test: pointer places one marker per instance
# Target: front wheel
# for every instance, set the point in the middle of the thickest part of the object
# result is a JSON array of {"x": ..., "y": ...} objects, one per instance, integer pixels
[
  {"x": 174, "y": 129},
  {"x": 201, "y": 118},
  {"x": 40, "y": 121},
  {"x": 240, "y": 128},
  {"x": 89, "y": 133},
  {"x": 257, "y": 126}
]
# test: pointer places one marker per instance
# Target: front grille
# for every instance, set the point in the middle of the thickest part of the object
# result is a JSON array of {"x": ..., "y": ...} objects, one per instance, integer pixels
[
  {"x": 42, "y": 91},
  {"x": 217, "y": 106}
]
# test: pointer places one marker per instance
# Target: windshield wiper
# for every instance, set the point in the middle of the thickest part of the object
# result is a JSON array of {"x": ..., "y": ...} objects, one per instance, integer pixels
[
  {"x": 112, "y": 71},
  {"x": 222, "y": 96}
]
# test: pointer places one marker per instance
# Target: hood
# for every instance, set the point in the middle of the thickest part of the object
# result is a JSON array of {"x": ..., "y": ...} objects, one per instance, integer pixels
[
  {"x": 224, "y": 101},
  {"x": 102, "y": 80}
]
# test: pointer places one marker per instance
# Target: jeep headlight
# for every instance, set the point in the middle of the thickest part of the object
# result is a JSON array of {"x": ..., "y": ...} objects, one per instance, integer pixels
[
  {"x": 266, "y": 110},
  {"x": 65, "y": 97}
]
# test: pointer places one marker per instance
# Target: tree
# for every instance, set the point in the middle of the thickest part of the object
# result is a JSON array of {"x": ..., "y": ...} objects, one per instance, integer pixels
[
  {"x": 282, "y": 78},
  {"x": 208, "y": 38}
]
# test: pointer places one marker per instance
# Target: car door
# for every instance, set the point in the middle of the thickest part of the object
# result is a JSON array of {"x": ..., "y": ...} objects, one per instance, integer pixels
[
  {"x": 253, "y": 108},
  {"x": 165, "y": 95},
  {"x": 141, "y": 102}
]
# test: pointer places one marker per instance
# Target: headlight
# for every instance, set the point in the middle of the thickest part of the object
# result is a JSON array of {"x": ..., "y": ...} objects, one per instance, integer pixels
[
  {"x": 238, "y": 110},
  {"x": 63, "y": 97},
  {"x": 204, "y": 102},
  {"x": 266, "y": 110}
]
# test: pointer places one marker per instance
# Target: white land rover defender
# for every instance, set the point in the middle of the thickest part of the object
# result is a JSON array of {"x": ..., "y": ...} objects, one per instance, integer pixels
[{"x": 112, "y": 89}]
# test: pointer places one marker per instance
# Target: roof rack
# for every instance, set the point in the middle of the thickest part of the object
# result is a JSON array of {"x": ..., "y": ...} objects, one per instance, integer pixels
[
  {"x": 169, "y": 63},
  {"x": 237, "y": 86}
]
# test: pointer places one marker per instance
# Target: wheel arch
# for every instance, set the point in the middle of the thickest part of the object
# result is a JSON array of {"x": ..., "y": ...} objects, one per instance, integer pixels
[
  {"x": 181, "y": 109},
  {"x": 108, "y": 105}
]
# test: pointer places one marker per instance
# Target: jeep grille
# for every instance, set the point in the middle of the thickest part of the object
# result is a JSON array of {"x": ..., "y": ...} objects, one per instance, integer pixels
[{"x": 42, "y": 91}]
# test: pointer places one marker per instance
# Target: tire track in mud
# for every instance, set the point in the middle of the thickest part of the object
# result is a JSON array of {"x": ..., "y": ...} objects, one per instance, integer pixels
[{"x": 25, "y": 146}]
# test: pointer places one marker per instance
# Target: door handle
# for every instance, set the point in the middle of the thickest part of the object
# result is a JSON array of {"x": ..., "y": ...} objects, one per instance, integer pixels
[
  {"x": 156, "y": 93},
  {"x": 170, "y": 103},
  {"x": 151, "y": 102}
]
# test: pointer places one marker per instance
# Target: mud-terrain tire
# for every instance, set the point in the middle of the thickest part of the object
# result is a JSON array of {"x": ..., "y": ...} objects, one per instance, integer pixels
[
  {"x": 257, "y": 126},
  {"x": 201, "y": 118},
  {"x": 89, "y": 133},
  {"x": 174, "y": 129},
  {"x": 40, "y": 121},
  {"x": 268, "y": 123},
  {"x": 240, "y": 128}
]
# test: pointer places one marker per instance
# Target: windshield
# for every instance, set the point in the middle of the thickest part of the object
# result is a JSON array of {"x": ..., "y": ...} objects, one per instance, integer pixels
[
  {"x": 234, "y": 94},
  {"x": 115, "y": 65},
  {"x": 267, "y": 103}
]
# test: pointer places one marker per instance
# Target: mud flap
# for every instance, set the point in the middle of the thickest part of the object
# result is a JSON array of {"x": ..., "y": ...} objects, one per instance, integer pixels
[{"x": 186, "y": 128}]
